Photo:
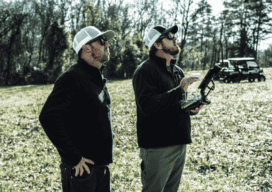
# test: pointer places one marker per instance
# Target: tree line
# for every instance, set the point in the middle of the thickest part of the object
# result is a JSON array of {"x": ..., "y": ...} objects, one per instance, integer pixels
[{"x": 36, "y": 36}]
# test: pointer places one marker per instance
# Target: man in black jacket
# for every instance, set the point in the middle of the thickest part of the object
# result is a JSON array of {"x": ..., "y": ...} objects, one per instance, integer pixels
[
  {"x": 77, "y": 116},
  {"x": 163, "y": 129}
]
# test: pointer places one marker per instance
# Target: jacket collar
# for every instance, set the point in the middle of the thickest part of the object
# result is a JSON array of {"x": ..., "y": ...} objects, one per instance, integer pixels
[
  {"x": 162, "y": 62},
  {"x": 94, "y": 72}
]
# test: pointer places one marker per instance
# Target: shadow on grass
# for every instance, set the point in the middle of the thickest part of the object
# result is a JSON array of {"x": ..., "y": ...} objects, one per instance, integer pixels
[
  {"x": 21, "y": 89},
  {"x": 241, "y": 82}
]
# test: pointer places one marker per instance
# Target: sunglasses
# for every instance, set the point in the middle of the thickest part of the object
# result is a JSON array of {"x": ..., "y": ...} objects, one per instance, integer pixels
[
  {"x": 169, "y": 36},
  {"x": 100, "y": 40}
]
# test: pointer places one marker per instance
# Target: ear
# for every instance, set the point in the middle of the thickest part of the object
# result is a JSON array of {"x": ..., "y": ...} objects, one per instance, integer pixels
[
  {"x": 86, "y": 48},
  {"x": 158, "y": 45}
]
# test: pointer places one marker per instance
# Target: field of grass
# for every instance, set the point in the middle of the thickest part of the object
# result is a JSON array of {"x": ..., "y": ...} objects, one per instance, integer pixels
[{"x": 231, "y": 149}]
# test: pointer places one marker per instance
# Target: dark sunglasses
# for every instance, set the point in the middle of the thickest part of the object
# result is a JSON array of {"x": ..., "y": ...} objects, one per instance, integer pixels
[
  {"x": 169, "y": 36},
  {"x": 100, "y": 40}
]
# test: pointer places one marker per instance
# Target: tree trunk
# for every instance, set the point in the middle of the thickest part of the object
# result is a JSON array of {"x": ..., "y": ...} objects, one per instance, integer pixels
[
  {"x": 181, "y": 53},
  {"x": 258, "y": 33},
  {"x": 221, "y": 45},
  {"x": 8, "y": 64},
  {"x": 201, "y": 43},
  {"x": 1, "y": 63},
  {"x": 226, "y": 42},
  {"x": 185, "y": 25},
  {"x": 193, "y": 64},
  {"x": 217, "y": 55},
  {"x": 41, "y": 50},
  {"x": 213, "y": 60},
  {"x": 205, "y": 56},
  {"x": 9, "y": 55}
]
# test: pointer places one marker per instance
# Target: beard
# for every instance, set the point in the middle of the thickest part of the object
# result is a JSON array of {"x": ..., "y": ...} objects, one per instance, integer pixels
[
  {"x": 171, "y": 52},
  {"x": 105, "y": 58},
  {"x": 100, "y": 56}
]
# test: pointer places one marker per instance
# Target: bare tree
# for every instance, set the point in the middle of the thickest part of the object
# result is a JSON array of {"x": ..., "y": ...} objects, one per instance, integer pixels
[{"x": 187, "y": 16}]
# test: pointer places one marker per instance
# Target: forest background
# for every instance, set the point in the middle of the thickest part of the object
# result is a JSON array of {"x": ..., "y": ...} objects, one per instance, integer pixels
[{"x": 36, "y": 36}]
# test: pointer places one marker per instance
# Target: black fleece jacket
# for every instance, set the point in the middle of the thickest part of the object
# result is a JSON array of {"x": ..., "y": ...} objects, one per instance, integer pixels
[
  {"x": 160, "y": 120},
  {"x": 77, "y": 116}
]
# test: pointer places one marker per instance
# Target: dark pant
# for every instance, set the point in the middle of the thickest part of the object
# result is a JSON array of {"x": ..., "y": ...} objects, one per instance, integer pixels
[
  {"x": 161, "y": 171},
  {"x": 97, "y": 181},
  {"x": 162, "y": 168}
]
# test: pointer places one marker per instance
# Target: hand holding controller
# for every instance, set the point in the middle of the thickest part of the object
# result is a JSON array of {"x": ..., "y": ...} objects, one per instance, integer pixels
[
  {"x": 197, "y": 102},
  {"x": 186, "y": 82}
]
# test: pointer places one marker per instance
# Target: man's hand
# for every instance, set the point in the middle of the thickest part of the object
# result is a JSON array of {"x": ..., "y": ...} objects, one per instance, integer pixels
[
  {"x": 197, "y": 109},
  {"x": 81, "y": 166},
  {"x": 185, "y": 82}
]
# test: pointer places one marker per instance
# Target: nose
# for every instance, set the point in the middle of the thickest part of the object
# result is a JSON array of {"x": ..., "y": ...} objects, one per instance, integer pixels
[
  {"x": 107, "y": 45},
  {"x": 175, "y": 38}
]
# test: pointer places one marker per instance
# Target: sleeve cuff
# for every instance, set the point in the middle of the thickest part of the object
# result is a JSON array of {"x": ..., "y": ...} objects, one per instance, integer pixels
[
  {"x": 191, "y": 113},
  {"x": 183, "y": 92}
]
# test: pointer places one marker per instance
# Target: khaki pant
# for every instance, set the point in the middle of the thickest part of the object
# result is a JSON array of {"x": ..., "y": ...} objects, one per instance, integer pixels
[{"x": 161, "y": 168}]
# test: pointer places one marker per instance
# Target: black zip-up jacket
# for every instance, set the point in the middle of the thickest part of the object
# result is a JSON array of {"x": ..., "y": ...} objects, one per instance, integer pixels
[
  {"x": 160, "y": 120},
  {"x": 77, "y": 115}
]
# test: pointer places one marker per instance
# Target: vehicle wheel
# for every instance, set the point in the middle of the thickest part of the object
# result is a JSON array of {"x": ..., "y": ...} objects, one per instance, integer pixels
[
  {"x": 236, "y": 81},
  {"x": 226, "y": 80},
  {"x": 251, "y": 79},
  {"x": 261, "y": 78}
]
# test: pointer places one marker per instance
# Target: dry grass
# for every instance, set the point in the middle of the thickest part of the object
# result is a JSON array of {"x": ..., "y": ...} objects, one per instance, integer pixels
[{"x": 231, "y": 149}]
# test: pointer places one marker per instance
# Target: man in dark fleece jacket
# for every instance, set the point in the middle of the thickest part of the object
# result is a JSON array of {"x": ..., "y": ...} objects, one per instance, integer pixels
[
  {"x": 77, "y": 116},
  {"x": 163, "y": 128}
]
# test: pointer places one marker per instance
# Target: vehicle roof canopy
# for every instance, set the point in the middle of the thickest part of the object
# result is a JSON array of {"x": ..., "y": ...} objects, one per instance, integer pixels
[{"x": 241, "y": 58}]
